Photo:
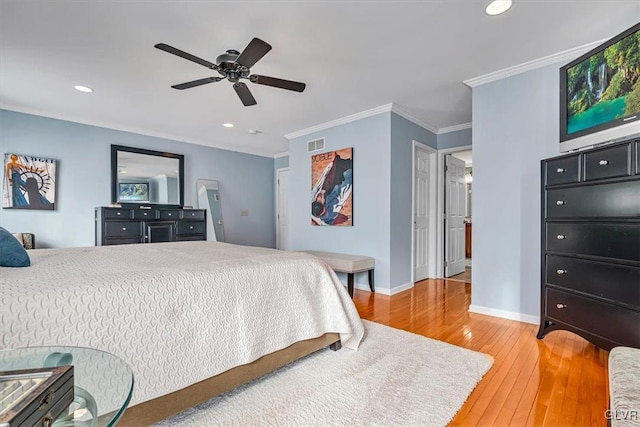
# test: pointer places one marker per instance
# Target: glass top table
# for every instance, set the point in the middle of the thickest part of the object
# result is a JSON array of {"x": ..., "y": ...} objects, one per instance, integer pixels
[{"x": 103, "y": 383}]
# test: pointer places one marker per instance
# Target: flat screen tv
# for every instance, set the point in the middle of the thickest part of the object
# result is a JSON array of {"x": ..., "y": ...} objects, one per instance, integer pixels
[
  {"x": 133, "y": 192},
  {"x": 600, "y": 93}
]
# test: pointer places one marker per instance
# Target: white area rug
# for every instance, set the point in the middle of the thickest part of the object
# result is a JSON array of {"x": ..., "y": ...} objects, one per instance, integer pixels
[{"x": 395, "y": 378}]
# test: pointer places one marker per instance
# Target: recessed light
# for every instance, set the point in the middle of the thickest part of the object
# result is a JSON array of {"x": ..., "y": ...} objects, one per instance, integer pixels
[
  {"x": 254, "y": 132},
  {"x": 227, "y": 125},
  {"x": 83, "y": 89},
  {"x": 496, "y": 7}
]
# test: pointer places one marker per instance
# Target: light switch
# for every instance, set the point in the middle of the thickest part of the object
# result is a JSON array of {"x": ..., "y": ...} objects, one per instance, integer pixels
[{"x": 244, "y": 212}]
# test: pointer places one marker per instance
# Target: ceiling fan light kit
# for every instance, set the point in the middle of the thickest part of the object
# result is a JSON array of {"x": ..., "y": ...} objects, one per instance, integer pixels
[{"x": 234, "y": 66}]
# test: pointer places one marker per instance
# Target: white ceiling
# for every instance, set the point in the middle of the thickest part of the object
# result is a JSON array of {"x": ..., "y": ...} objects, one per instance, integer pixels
[
  {"x": 466, "y": 156},
  {"x": 353, "y": 55}
]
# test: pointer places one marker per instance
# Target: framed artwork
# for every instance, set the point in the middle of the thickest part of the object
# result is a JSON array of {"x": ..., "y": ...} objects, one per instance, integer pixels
[
  {"x": 332, "y": 188},
  {"x": 29, "y": 182}
]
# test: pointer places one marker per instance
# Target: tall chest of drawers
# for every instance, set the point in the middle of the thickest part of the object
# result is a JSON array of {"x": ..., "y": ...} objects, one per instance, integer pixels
[
  {"x": 590, "y": 273},
  {"x": 119, "y": 226}
]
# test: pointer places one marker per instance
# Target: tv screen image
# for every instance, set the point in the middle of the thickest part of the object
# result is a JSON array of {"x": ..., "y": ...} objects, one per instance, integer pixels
[
  {"x": 134, "y": 192},
  {"x": 601, "y": 89}
]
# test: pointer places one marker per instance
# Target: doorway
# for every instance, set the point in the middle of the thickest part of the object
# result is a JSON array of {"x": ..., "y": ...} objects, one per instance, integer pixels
[
  {"x": 458, "y": 215},
  {"x": 282, "y": 221},
  {"x": 423, "y": 238}
]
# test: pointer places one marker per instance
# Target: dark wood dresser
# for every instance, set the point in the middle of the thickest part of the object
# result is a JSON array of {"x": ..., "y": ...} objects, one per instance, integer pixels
[
  {"x": 590, "y": 276},
  {"x": 119, "y": 226}
]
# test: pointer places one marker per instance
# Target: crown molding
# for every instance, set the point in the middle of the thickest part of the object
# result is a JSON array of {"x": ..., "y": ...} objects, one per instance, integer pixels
[
  {"x": 146, "y": 132},
  {"x": 567, "y": 55},
  {"x": 399, "y": 111},
  {"x": 283, "y": 154},
  {"x": 393, "y": 108},
  {"x": 341, "y": 121},
  {"x": 455, "y": 128}
]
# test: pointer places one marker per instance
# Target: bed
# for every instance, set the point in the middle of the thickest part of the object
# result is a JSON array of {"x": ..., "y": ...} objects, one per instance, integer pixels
[{"x": 192, "y": 319}]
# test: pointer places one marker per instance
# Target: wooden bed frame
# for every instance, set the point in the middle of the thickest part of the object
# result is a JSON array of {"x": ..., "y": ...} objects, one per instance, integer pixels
[{"x": 152, "y": 411}]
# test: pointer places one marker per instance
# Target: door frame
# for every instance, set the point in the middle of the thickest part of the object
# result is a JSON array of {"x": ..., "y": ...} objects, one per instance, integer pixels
[
  {"x": 440, "y": 251},
  {"x": 433, "y": 185},
  {"x": 277, "y": 208}
]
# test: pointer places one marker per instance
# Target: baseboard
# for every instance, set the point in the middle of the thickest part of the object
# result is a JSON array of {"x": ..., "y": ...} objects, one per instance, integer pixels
[
  {"x": 383, "y": 291},
  {"x": 511, "y": 315}
]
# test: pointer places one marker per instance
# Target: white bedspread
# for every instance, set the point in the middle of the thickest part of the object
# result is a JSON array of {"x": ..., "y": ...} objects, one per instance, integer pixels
[{"x": 177, "y": 313}]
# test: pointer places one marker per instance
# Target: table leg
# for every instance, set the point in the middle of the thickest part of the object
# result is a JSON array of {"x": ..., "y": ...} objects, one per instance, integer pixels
[
  {"x": 371, "y": 284},
  {"x": 350, "y": 284}
]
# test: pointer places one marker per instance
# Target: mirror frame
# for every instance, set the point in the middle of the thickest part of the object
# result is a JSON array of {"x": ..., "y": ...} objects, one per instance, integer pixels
[{"x": 114, "y": 174}]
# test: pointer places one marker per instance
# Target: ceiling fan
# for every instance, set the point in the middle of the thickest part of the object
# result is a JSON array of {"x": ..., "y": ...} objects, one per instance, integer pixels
[{"x": 234, "y": 66}]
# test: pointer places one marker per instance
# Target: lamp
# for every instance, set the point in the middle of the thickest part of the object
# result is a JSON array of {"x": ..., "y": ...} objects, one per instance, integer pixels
[{"x": 468, "y": 178}]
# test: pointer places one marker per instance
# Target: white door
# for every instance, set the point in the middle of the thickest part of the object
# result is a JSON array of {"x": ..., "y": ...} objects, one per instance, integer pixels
[
  {"x": 282, "y": 220},
  {"x": 421, "y": 215},
  {"x": 455, "y": 198}
]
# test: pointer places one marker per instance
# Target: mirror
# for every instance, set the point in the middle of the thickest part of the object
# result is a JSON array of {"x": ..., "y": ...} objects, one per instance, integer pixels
[
  {"x": 209, "y": 199},
  {"x": 146, "y": 177}
]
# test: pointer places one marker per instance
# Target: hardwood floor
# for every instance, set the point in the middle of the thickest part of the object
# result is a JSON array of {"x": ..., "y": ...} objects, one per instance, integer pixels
[{"x": 558, "y": 381}]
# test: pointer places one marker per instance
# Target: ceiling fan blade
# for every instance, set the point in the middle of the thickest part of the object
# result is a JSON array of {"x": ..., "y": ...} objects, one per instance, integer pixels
[
  {"x": 185, "y": 55},
  {"x": 244, "y": 93},
  {"x": 280, "y": 83},
  {"x": 195, "y": 83},
  {"x": 251, "y": 54}
]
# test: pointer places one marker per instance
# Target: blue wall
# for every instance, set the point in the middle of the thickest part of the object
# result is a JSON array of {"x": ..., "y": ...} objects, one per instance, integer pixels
[
  {"x": 403, "y": 133},
  {"x": 454, "y": 139},
  {"x": 84, "y": 176},
  {"x": 382, "y": 156},
  {"x": 515, "y": 125},
  {"x": 281, "y": 162},
  {"x": 369, "y": 234}
]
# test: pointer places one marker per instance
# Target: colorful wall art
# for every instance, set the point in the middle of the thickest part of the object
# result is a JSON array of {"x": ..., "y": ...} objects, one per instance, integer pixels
[
  {"x": 332, "y": 188},
  {"x": 29, "y": 182}
]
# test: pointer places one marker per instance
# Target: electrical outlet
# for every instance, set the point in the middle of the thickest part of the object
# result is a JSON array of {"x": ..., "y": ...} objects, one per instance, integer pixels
[{"x": 244, "y": 212}]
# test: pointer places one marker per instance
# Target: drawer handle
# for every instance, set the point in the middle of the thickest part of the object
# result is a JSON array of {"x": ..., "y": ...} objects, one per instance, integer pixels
[
  {"x": 191, "y": 228},
  {"x": 118, "y": 213},
  {"x": 561, "y": 237},
  {"x": 561, "y": 202},
  {"x": 561, "y": 271},
  {"x": 169, "y": 214},
  {"x": 561, "y": 306},
  {"x": 561, "y": 170},
  {"x": 145, "y": 214},
  {"x": 124, "y": 228},
  {"x": 603, "y": 162}
]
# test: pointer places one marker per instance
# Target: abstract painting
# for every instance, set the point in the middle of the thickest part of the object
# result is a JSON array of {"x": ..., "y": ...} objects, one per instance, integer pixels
[
  {"x": 29, "y": 182},
  {"x": 332, "y": 188}
]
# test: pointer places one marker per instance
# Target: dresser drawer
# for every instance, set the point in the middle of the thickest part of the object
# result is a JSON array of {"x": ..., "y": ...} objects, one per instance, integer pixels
[
  {"x": 616, "y": 282},
  {"x": 563, "y": 170},
  {"x": 170, "y": 214},
  {"x": 608, "y": 162},
  {"x": 190, "y": 237},
  {"x": 190, "y": 227},
  {"x": 615, "y": 323},
  {"x": 621, "y": 199},
  {"x": 611, "y": 240},
  {"x": 145, "y": 214},
  {"x": 122, "y": 241},
  {"x": 117, "y": 213},
  {"x": 122, "y": 229},
  {"x": 193, "y": 214}
]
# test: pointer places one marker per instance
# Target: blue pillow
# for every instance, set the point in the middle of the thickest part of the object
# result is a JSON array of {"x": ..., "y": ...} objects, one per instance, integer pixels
[{"x": 12, "y": 254}]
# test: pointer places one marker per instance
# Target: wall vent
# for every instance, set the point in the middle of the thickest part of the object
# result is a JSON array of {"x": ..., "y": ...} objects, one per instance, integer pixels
[{"x": 315, "y": 145}]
